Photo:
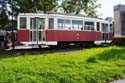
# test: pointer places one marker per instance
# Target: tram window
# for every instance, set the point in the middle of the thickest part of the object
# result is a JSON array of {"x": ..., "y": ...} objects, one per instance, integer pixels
[
  {"x": 64, "y": 24},
  {"x": 40, "y": 36},
  {"x": 41, "y": 23},
  {"x": 30, "y": 35},
  {"x": 111, "y": 28},
  {"x": 34, "y": 34},
  {"x": 98, "y": 26},
  {"x": 77, "y": 24},
  {"x": 60, "y": 24},
  {"x": 32, "y": 23},
  {"x": 104, "y": 36},
  {"x": 107, "y": 28},
  {"x": 89, "y": 25},
  {"x": 23, "y": 22},
  {"x": 1, "y": 38},
  {"x": 51, "y": 23},
  {"x": 104, "y": 27},
  {"x": 67, "y": 24}
]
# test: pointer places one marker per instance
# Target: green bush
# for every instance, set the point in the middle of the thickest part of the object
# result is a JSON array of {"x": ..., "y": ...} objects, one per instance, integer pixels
[
  {"x": 92, "y": 59},
  {"x": 118, "y": 41}
]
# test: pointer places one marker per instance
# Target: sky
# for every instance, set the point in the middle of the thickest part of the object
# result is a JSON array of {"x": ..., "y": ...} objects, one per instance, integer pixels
[{"x": 106, "y": 9}]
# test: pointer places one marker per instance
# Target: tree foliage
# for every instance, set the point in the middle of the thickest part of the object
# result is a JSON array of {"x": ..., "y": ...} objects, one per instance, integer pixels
[
  {"x": 3, "y": 14},
  {"x": 32, "y": 6},
  {"x": 90, "y": 10},
  {"x": 75, "y": 6},
  {"x": 3, "y": 19}
]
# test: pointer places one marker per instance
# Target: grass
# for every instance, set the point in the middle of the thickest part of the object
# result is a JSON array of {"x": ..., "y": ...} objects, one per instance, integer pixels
[{"x": 96, "y": 65}]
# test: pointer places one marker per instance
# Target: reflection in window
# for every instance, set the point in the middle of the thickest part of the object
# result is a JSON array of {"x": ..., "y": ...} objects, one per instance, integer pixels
[
  {"x": 32, "y": 23},
  {"x": 60, "y": 24},
  {"x": 89, "y": 25},
  {"x": 64, "y": 24},
  {"x": 77, "y": 25},
  {"x": 37, "y": 23},
  {"x": 51, "y": 23},
  {"x": 67, "y": 24},
  {"x": 41, "y": 23},
  {"x": 23, "y": 22},
  {"x": 104, "y": 27}
]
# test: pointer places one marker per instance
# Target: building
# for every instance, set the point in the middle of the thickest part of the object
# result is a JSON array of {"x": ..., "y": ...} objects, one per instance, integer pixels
[{"x": 119, "y": 20}]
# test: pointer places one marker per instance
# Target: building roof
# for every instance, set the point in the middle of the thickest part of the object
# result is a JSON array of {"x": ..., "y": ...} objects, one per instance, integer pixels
[{"x": 119, "y": 7}]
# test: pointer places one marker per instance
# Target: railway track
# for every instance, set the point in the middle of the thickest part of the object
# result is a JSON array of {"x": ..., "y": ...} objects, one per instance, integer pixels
[{"x": 45, "y": 50}]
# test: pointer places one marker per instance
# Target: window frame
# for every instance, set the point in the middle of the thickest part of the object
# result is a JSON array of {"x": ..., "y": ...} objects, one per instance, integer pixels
[
  {"x": 62, "y": 24},
  {"x": 51, "y": 23},
  {"x": 89, "y": 27},
  {"x": 98, "y": 26},
  {"x": 78, "y": 23},
  {"x": 20, "y": 24}
]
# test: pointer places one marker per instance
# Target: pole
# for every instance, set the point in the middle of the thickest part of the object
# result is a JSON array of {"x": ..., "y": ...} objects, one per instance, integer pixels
[
  {"x": 105, "y": 33},
  {"x": 13, "y": 38}
]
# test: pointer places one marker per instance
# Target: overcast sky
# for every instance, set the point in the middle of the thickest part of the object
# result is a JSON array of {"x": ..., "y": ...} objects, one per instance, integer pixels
[{"x": 107, "y": 7}]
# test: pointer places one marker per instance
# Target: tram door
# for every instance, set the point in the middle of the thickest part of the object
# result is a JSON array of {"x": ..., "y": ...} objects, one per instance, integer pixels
[
  {"x": 104, "y": 32},
  {"x": 37, "y": 27}
]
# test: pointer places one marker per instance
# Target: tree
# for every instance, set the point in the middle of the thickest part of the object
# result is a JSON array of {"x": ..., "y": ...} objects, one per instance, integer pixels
[
  {"x": 90, "y": 10},
  {"x": 13, "y": 7},
  {"x": 3, "y": 19},
  {"x": 32, "y": 6},
  {"x": 75, "y": 6},
  {"x": 3, "y": 14},
  {"x": 109, "y": 19}
]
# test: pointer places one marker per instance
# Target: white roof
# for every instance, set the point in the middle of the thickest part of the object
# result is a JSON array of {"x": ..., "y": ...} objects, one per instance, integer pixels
[{"x": 61, "y": 15}]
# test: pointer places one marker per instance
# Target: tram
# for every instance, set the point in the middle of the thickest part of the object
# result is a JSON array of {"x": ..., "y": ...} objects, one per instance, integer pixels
[{"x": 55, "y": 29}]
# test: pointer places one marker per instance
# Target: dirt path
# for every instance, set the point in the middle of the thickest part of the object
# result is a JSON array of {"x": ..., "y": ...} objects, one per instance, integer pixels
[{"x": 119, "y": 81}]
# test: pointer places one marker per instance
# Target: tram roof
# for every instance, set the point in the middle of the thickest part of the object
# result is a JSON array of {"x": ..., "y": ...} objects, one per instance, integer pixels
[
  {"x": 56, "y": 13},
  {"x": 61, "y": 14}
]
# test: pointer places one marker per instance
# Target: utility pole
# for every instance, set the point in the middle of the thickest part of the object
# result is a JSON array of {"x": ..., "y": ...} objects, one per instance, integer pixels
[{"x": 13, "y": 38}]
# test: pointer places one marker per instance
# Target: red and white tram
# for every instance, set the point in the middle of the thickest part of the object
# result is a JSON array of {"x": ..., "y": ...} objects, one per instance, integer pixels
[{"x": 62, "y": 29}]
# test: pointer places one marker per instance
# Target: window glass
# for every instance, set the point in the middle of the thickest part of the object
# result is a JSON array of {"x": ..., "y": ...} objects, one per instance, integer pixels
[
  {"x": 67, "y": 24},
  {"x": 89, "y": 25},
  {"x": 32, "y": 23},
  {"x": 41, "y": 23},
  {"x": 34, "y": 34},
  {"x": 40, "y": 35},
  {"x": 104, "y": 27},
  {"x": 98, "y": 26},
  {"x": 37, "y": 23},
  {"x": 23, "y": 22},
  {"x": 51, "y": 23},
  {"x": 30, "y": 35},
  {"x": 60, "y": 24},
  {"x": 104, "y": 36},
  {"x": 77, "y": 25},
  {"x": 111, "y": 28},
  {"x": 64, "y": 24}
]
